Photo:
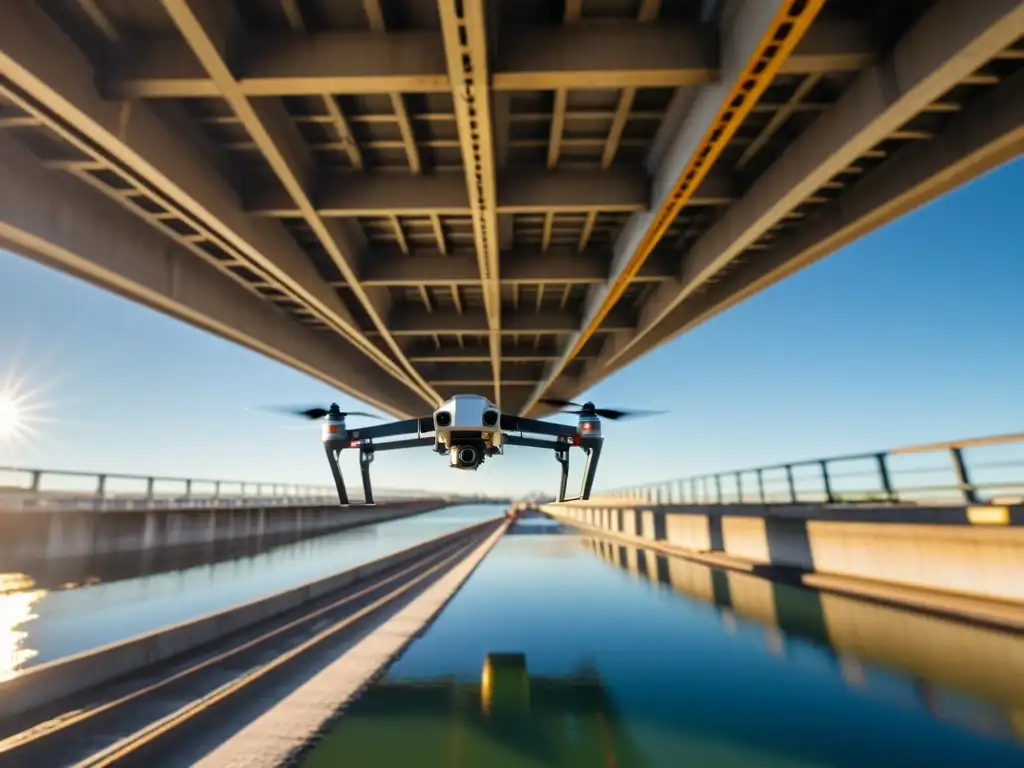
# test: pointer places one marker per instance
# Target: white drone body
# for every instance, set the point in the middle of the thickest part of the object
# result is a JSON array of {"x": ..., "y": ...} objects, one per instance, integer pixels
[{"x": 468, "y": 429}]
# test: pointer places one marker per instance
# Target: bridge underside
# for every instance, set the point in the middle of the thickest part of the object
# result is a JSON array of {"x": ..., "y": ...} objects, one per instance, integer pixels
[{"x": 413, "y": 198}]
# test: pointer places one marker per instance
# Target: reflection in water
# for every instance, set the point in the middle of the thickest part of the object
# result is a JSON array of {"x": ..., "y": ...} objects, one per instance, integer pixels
[
  {"x": 679, "y": 665},
  {"x": 963, "y": 674},
  {"x": 508, "y": 718},
  {"x": 16, "y": 609}
]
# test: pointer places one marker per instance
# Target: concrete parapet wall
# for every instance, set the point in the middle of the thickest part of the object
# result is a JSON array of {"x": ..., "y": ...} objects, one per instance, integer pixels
[
  {"x": 918, "y": 547},
  {"x": 37, "y": 686},
  {"x": 39, "y": 535}
]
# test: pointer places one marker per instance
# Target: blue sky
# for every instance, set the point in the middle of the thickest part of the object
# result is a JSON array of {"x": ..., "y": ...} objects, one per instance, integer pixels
[{"x": 913, "y": 334}]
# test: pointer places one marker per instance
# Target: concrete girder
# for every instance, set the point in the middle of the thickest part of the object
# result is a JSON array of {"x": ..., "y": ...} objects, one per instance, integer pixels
[
  {"x": 988, "y": 134},
  {"x": 473, "y": 373},
  {"x": 464, "y": 32},
  {"x": 520, "y": 191},
  {"x": 556, "y": 266},
  {"x": 421, "y": 351},
  {"x": 65, "y": 224},
  {"x": 56, "y": 79},
  {"x": 207, "y": 29},
  {"x": 947, "y": 45},
  {"x": 404, "y": 322},
  {"x": 577, "y": 56},
  {"x": 758, "y": 36}
]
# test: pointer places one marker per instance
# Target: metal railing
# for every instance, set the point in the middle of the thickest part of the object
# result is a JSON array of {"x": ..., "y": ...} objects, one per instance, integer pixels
[
  {"x": 24, "y": 488},
  {"x": 935, "y": 473}
]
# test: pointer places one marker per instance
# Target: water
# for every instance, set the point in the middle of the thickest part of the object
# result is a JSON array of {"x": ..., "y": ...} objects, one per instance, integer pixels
[
  {"x": 37, "y": 626},
  {"x": 604, "y": 655}
]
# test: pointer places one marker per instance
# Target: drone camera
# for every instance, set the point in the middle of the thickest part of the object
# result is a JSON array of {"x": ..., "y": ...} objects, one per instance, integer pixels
[{"x": 466, "y": 456}]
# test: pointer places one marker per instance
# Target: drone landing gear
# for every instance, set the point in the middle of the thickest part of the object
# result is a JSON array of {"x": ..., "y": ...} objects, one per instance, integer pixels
[
  {"x": 591, "y": 447},
  {"x": 367, "y": 450},
  {"x": 593, "y": 453}
]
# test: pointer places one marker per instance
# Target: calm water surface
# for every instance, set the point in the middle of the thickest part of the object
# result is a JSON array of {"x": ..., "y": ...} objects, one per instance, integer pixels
[
  {"x": 569, "y": 651},
  {"x": 38, "y": 626}
]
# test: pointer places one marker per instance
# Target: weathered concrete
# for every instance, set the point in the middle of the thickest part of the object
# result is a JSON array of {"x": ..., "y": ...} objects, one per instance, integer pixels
[
  {"x": 46, "y": 683},
  {"x": 26, "y": 536},
  {"x": 904, "y": 548}
]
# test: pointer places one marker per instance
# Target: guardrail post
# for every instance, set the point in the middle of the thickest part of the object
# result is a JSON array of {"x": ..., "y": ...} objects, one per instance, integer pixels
[
  {"x": 883, "y": 475},
  {"x": 790, "y": 483},
  {"x": 718, "y": 488},
  {"x": 760, "y": 484},
  {"x": 37, "y": 477},
  {"x": 216, "y": 489},
  {"x": 825, "y": 479},
  {"x": 101, "y": 485},
  {"x": 188, "y": 488},
  {"x": 963, "y": 478},
  {"x": 149, "y": 487},
  {"x": 739, "y": 486}
]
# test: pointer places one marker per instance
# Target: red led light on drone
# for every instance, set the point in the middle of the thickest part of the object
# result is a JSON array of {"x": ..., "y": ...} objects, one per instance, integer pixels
[{"x": 586, "y": 427}]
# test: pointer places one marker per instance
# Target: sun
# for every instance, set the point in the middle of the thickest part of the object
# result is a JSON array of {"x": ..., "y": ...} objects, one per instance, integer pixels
[{"x": 10, "y": 415}]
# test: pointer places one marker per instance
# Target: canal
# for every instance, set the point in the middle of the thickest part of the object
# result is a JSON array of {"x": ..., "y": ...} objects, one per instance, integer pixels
[
  {"x": 566, "y": 650},
  {"x": 39, "y": 625}
]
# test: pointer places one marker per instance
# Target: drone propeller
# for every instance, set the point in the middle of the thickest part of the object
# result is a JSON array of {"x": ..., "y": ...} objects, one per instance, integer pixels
[
  {"x": 588, "y": 409},
  {"x": 317, "y": 413}
]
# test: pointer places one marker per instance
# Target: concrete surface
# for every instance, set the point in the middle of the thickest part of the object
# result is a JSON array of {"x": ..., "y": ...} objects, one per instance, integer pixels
[
  {"x": 54, "y": 535},
  {"x": 46, "y": 683},
  {"x": 915, "y": 548}
]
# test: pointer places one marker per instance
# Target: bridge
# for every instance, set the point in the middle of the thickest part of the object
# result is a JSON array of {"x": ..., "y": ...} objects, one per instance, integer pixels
[
  {"x": 863, "y": 576},
  {"x": 412, "y": 199}
]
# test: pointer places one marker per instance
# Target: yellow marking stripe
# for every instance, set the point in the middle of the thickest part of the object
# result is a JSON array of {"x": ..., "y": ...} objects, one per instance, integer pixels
[{"x": 782, "y": 36}]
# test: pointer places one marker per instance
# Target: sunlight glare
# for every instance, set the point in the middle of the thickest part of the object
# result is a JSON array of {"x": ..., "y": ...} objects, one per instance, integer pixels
[
  {"x": 16, "y": 610},
  {"x": 10, "y": 415}
]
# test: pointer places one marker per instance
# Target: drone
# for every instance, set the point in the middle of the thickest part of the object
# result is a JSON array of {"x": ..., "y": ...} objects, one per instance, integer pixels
[{"x": 468, "y": 429}]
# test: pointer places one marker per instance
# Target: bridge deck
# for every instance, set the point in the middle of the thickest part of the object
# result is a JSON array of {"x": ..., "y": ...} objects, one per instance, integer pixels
[{"x": 504, "y": 200}]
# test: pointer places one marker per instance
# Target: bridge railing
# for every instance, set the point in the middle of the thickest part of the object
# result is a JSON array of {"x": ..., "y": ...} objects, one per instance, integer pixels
[
  {"x": 971, "y": 471},
  {"x": 23, "y": 488}
]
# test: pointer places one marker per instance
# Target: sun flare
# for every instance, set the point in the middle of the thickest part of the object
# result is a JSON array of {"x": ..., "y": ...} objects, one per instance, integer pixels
[{"x": 10, "y": 415}]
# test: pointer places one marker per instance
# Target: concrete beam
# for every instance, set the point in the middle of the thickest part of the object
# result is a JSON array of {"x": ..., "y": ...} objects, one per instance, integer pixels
[
  {"x": 427, "y": 352},
  {"x": 520, "y": 191},
  {"x": 207, "y": 30},
  {"x": 465, "y": 34},
  {"x": 63, "y": 223},
  {"x": 990, "y": 132},
  {"x": 520, "y": 266},
  {"x": 751, "y": 52},
  {"x": 37, "y": 57},
  {"x": 580, "y": 56},
  {"x": 479, "y": 373},
  {"x": 408, "y": 321},
  {"x": 949, "y": 43}
]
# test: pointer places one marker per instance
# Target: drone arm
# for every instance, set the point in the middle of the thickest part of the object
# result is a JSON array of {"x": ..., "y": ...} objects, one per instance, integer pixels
[
  {"x": 535, "y": 442},
  {"x": 394, "y": 429},
  {"x": 536, "y": 426},
  {"x": 395, "y": 445}
]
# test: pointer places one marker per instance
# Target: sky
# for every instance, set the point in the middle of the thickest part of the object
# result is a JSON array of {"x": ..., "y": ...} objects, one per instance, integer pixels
[{"x": 915, "y": 333}]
